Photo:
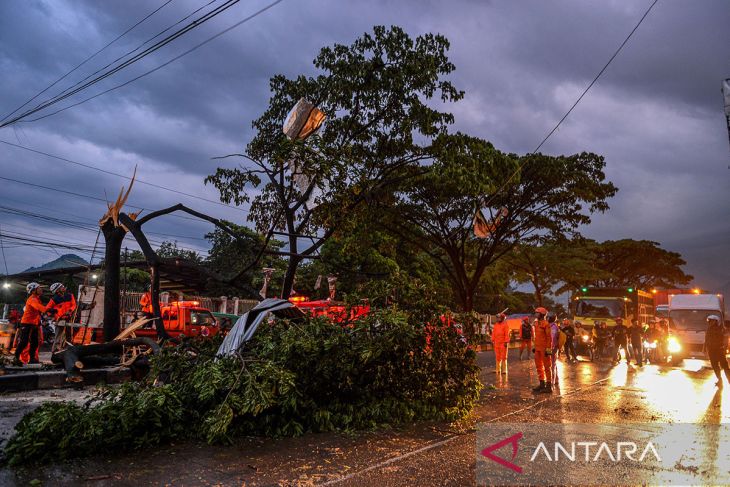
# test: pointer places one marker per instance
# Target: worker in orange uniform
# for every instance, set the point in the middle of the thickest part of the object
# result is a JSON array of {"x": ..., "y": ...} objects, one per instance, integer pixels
[
  {"x": 30, "y": 324},
  {"x": 62, "y": 303},
  {"x": 543, "y": 343},
  {"x": 500, "y": 341},
  {"x": 145, "y": 302}
]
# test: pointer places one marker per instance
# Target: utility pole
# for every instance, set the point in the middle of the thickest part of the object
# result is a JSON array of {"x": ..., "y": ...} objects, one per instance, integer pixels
[{"x": 124, "y": 286}]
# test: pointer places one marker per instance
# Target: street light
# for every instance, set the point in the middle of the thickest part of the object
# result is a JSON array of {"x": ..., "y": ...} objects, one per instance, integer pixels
[
  {"x": 94, "y": 277},
  {"x": 6, "y": 285}
]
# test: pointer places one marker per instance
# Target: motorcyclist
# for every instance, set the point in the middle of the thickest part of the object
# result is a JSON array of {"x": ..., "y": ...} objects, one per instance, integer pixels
[
  {"x": 600, "y": 337},
  {"x": 569, "y": 348},
  {"x": 543, "y": 344},
  {"x": 636, "y": 334},
  {"x": 525, "y": 336},
  {"x": 30, "y": 324},
  {"x": 620, "y": 339},
  {"x": 716, "y": 348},
  {"x": 500, "y": 341}
]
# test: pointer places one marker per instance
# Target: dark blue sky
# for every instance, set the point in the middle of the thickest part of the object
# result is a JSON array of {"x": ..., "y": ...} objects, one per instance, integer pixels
[{"x": 656, "y": 114}]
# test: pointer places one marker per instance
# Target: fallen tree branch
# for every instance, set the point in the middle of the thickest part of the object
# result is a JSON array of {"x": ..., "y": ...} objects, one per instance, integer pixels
[{"x": 93, "y": 354}]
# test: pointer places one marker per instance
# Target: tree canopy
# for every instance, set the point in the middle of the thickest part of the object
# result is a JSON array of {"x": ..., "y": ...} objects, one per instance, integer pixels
[{"x": 379, "y": 126}]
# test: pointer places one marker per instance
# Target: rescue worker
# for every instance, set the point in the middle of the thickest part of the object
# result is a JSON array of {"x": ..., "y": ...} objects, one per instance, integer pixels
[
  {"x": 145, "y": 302},
  {"x": 716, "y": 348},
  {"x": 543, "y": 349},
  {"x": 621, "y": 340},
  {"x": 525, "y": 336},
  {"x": 62, "y": 303},
  {"x": 569, "y": 348},
  {"x": 500, "y": 341},
  {"x": 30, "y": 323},
  {"x": 636, "y": 333}
]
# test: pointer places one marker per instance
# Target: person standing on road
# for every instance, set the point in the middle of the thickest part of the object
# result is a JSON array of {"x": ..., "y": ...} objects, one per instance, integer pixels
[
  {"x": 543, "y": 350},
  {"x": 569, "y": 349},
  {"x": 30, "y": 323},
  {"x": 558, "y": 339},
  {"x": 525, "y": 336},
  {"x": 636, "y": 333},
  {"x": 716, "y": 348},
  {"x": 500, "y": 342},
  {"x": 620, "y": 340}
]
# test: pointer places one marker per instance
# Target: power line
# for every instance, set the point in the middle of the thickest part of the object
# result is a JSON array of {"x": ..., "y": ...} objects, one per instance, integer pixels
[
  {"x": 89, "y": 58},
  {"x": 84, "y": 196},
  {"x": 519, "y": 166},
  {"x": 129, "y": 53},
  {"x": 88, "y": 228},
  {"x": 105, "y": 171},
  {"x": 184, "y": 53},
  {"x": 195, "y": 23}
]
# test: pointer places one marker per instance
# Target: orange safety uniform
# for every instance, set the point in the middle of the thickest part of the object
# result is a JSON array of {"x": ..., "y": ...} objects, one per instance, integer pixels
[
  {"x": 32, "y": 316},
  {"x": 63, "y": 304},
  {"x": 146, "y": 302},
  {"x": 500, "y": 340},
  {"x": 33, "y": 310},
  {"x": 543, "y": 341}
]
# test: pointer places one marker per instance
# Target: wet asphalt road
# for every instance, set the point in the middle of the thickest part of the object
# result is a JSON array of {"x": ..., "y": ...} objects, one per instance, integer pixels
[{"x": 425, "y": 454}]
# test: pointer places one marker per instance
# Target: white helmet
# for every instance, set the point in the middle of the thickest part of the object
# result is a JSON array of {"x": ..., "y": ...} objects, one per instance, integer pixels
[
  {"x": 713, "y": 318},
  {"x": 32, "y": 286},
  {"x": 56, "y": 286}
]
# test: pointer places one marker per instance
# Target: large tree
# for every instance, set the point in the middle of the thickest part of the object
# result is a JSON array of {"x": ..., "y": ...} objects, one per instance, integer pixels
[
  {"x": 539, "y": 196},
  {"x": 552, "y": 263},
  {"x": 641, "y": 263},
  {"x": 376, "y": 94}
]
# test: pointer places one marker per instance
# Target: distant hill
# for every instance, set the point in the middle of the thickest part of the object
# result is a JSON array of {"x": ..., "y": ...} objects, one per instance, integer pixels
[{"x": 66, "y": 260}]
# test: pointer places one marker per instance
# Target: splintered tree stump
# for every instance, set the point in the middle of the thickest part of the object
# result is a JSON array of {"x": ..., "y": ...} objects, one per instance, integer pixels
[{"x": 97, "y": 354}]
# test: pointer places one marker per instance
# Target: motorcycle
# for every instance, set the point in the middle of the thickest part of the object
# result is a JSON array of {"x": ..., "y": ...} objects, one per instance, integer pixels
[{"x": 584, "y": 345}]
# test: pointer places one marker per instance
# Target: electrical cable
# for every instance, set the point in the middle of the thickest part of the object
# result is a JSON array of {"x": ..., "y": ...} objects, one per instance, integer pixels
[
  {"x": 146, "y": 73},
  {"x": 105, "y": 171},
  {"x": 129, "y": 53},
  {"x": 195, "y": 23},
  {"x": 519, "y": 166},
  {"x": 88, "y": 59}
]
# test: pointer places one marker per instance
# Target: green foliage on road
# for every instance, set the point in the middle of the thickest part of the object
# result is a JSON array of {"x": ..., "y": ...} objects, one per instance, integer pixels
[{"x": 293, "y": 378}]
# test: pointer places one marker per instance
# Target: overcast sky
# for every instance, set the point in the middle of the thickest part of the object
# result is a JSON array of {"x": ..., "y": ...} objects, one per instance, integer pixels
[{"x": 656, "y": 114}]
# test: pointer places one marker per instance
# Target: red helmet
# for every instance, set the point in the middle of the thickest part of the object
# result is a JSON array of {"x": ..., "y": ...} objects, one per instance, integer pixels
[
  {"x": 501, "y": 316},
  {"x": 541, "y": 310}
]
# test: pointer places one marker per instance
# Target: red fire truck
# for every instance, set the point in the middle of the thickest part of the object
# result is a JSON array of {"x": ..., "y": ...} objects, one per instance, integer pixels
[{"x": 333, "y": 309}]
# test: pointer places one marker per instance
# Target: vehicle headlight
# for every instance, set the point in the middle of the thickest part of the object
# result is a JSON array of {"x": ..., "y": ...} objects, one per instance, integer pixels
[
  {"x": 651, "y": 345},
  {"x": 585, "y": 338},
  {"x": 673, "y": 345}
]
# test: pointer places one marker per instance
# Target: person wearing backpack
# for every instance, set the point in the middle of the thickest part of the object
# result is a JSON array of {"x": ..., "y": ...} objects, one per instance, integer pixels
[{"x": 525, "y": 336}]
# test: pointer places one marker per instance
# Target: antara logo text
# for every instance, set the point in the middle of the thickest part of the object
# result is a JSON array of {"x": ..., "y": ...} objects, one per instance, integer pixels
[
  {"x": 593, "y": 451},
  {"x": 576, "y": 451}
]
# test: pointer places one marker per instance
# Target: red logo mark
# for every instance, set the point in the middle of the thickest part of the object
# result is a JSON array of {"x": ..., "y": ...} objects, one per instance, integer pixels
[{"x": 514, "y": 439}]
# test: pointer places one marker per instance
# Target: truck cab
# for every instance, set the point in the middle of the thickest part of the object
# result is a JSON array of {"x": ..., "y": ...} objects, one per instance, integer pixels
[
  {"x": 185, "y": 318},
  {"x": 592, "y": 305},
  {"x": 688, "y": 322}
]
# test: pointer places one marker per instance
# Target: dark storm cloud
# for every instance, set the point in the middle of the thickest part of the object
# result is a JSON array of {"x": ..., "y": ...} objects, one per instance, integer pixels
[{"x": 656, "y": 114}]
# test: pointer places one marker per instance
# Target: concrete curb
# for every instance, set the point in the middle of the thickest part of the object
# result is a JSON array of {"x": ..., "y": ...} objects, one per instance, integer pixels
[{"x": 53, "y": 379}]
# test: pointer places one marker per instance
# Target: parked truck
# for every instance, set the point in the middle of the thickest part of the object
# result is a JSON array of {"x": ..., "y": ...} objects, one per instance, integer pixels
[
  {"x": 688, "y": 322},
  {"x": 594, "y": 304}
]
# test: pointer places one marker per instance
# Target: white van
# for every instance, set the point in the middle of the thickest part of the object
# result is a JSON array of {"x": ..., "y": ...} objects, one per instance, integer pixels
[{"x": 688, "y": 322}]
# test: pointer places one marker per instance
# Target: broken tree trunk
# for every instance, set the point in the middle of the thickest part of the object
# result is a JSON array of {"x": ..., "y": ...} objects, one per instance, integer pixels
[{"x": 96, "y": 352}]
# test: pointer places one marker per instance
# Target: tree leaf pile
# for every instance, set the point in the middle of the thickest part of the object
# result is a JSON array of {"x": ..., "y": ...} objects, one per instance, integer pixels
[{"x": 292, "y": 378}]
